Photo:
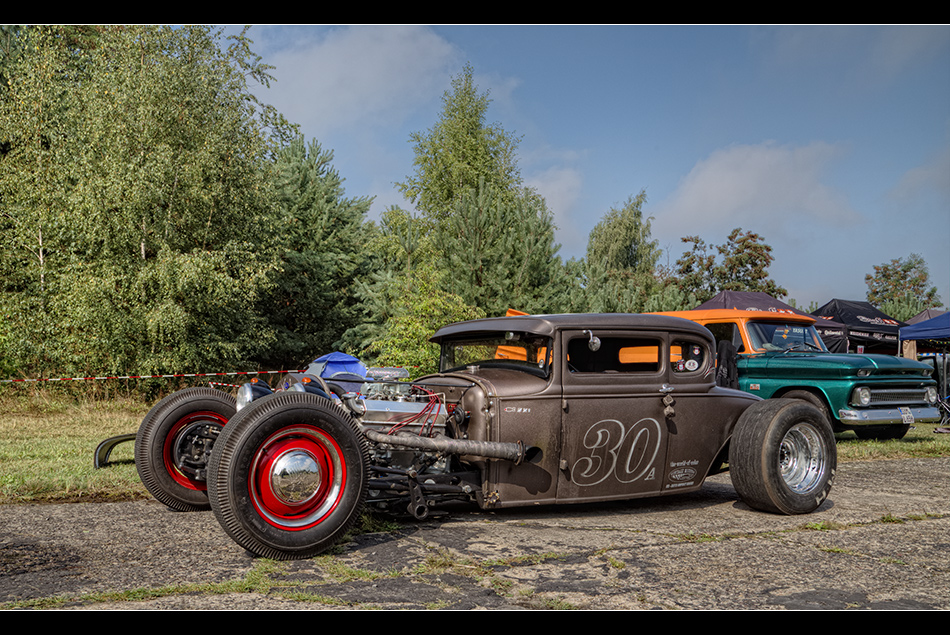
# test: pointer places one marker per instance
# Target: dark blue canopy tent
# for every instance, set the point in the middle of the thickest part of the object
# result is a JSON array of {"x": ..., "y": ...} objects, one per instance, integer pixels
[{"x": 936, "y": 331}]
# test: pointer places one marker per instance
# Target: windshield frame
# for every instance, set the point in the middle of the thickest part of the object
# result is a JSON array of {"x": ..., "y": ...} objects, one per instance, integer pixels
[{"x": 462, "y": 353}]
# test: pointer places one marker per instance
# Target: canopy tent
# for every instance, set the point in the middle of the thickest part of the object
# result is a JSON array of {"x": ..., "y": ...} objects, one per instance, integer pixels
[
  {"x": 925, "y": 315},
  {"x": 865, "y": 326},
  {"x": 832, "y": 333},
  {"x": 935, "y": 331}
]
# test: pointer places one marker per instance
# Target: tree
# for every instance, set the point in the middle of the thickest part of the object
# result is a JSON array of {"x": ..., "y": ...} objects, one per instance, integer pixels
[
  {"x": 500, "y": 251},
  {"x": 312, "y": 300},
  {"x": 744, "y": 265},
  {"x": 621, "y": 240},
  {"x": 902, "y": 281},
  {"x": 620, "y": 273},
  {"x": 460, "y": 152},
  {"x": 137, "y": 201}
]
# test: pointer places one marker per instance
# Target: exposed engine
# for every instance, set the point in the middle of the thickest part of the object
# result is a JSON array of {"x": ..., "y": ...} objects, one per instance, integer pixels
[{"x": 425, "y": 437}]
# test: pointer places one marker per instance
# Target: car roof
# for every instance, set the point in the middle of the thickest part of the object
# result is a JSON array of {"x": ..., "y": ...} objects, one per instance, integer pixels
[
  {"x": 548, "y": 325},
  {"x": 737, "y": 314}
]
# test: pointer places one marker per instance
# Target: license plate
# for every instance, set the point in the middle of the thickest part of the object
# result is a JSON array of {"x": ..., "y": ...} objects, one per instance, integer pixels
[{"x": 906, "y": 415}]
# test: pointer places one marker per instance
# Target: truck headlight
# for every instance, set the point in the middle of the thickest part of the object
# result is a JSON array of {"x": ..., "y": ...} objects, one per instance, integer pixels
[
  {"x": 861, "y": 396},
  {"x": 932, "y": 396}
]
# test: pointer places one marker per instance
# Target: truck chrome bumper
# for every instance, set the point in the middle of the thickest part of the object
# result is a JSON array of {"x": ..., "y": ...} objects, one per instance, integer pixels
[{"x": 878, "y": 416}]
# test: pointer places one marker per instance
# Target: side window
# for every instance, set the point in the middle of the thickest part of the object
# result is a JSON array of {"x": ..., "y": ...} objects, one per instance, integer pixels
[
  {"x": 688, "y": 357},
  {"x": 615, "y": 355},
  {"x": 727, "y": 331}
]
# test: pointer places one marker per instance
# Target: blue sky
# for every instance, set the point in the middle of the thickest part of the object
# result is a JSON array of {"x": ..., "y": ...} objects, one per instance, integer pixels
[{"x": 832, "y": 142}]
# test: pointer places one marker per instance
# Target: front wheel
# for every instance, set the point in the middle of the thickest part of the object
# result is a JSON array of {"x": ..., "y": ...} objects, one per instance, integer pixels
[
  {"x": 288, "y": 476},
  {"x": 783, "y": 457}
]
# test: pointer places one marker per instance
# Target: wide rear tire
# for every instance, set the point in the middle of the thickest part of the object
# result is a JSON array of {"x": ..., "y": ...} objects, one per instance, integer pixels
[
  {"x": 174, "y": 442},
  {"x": 288, "y": 476},
  {"x": 783, "y": 457}
]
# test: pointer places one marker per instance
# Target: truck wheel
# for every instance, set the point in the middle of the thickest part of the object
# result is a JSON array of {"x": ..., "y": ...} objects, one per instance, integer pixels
[
  {"x": 882, "y": 433},
  {"x": 782, "y": 456},
  {"x": 289, "y": 475},
  {"x": 173, "y": 445}
]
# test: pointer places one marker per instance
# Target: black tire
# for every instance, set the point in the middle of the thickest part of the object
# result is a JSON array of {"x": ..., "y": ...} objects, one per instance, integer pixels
[
  {"x": 328, "y": 456},
  {"x": 174, "y": 442},
  {"x": 882, "y": 433},
  {"x": 783, "y": 457}
]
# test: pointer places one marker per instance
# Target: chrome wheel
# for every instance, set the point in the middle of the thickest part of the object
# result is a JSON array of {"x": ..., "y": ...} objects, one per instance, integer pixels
[{"x": 802, "y": 458}]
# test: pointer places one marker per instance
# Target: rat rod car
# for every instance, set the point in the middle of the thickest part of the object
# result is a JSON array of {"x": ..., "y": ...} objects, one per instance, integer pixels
[{"x": 525, "y": 410}]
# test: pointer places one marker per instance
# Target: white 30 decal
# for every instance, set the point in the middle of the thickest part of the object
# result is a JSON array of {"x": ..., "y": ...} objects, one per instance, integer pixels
[{"x": 614, "y": 450}]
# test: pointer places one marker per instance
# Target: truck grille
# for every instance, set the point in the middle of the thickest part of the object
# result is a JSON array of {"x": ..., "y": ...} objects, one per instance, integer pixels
[{"x": 898, "y": 396}]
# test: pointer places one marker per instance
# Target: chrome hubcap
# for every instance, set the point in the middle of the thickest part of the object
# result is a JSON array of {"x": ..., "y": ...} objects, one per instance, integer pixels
[
  {"x": 295, "y": 477},
  {"x": 802, "y": 458}
]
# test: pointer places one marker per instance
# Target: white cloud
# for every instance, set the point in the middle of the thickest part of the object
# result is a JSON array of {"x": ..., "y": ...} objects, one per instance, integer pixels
[
  {"x": 766, "y": 188},
  {"x": 329, "y": 80}
]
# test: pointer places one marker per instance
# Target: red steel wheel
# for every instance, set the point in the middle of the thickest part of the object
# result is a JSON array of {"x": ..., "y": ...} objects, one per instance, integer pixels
[
  {"x": 174, "y": 444},
  {"x": 188, "y": 443},
  {"x": 297, "y": 477},
  {"x": 288, "y": 476}
]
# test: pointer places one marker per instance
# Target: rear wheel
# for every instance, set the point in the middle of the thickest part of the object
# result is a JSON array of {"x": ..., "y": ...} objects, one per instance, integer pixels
[
  {"x": 174, "y": 442},
  {"x": 288, "y": 476},
  {"x": 783, "y": 456}
]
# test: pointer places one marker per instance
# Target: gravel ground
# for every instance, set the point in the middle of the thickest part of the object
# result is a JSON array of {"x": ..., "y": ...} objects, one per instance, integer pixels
[{"x": 881, "y": 541}]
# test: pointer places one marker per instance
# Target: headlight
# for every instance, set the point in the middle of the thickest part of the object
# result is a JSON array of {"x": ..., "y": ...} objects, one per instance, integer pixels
[
  {"x": 251, "y": 391},
  {"x": 861, "y": 396},
  {"x": 932, "y": 396}
]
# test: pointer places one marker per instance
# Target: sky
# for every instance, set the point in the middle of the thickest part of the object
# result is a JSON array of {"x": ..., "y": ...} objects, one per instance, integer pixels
[{"x": 830, "y": 142}]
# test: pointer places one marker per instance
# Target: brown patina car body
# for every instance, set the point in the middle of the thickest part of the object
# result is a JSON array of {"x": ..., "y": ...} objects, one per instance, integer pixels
[{"x": 525, "y": 410}]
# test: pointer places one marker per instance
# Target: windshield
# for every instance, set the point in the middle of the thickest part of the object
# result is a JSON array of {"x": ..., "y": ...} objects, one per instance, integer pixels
[
  {"x": 517, "y": 351},
  {"x": 784, "y": 336}
]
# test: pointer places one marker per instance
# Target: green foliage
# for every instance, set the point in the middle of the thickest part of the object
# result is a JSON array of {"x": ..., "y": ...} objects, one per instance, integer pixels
[
  {"x": 482, "y": 243},
  {"x": 903, "y": 285},
  {"x": 743, "y": 267},
  {"x": 460, "y": 152},
  {"x": 500, "y": 251},
  {"x": 416, "y": 316},
  {"x": 621, "y": 240},
  {"x": 136, "y": 201},
  {"x": 312, "y": 299}
]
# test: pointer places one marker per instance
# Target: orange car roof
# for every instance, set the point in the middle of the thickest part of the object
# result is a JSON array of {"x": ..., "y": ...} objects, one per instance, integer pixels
[{"x": 735, "y": 314}]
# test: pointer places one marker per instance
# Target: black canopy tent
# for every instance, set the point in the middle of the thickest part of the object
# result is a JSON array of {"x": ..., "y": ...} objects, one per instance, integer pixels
[
  {"x": 864, "y": 325},
  {"x": 832, "y": 333}
]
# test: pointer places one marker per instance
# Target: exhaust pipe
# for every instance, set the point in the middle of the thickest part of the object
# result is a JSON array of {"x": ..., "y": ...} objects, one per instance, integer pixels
[{"x": 514, "y": 452}]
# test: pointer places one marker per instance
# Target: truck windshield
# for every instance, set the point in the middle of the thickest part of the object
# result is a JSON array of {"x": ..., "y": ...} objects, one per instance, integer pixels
[
  {"x": 517, "y": 351},
  {"x": 784, "y": 336}
]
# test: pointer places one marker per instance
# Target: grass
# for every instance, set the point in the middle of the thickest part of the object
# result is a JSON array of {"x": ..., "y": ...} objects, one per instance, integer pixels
[{"x": 48, "y": 440}]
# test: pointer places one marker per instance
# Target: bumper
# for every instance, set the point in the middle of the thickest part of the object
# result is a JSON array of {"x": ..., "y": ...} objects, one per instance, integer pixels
[{"x": 878, "y": 416}]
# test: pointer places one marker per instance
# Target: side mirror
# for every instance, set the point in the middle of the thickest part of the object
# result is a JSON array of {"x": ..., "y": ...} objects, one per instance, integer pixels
[{"x": 594, "y": 342}]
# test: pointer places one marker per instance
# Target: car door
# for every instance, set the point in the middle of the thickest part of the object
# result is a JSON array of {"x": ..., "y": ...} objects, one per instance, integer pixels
[{"x": 614, "y": 434}]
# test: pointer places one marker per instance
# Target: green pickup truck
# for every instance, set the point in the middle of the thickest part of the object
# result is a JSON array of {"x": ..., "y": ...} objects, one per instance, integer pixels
[{"x": 782, "y": 355}]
